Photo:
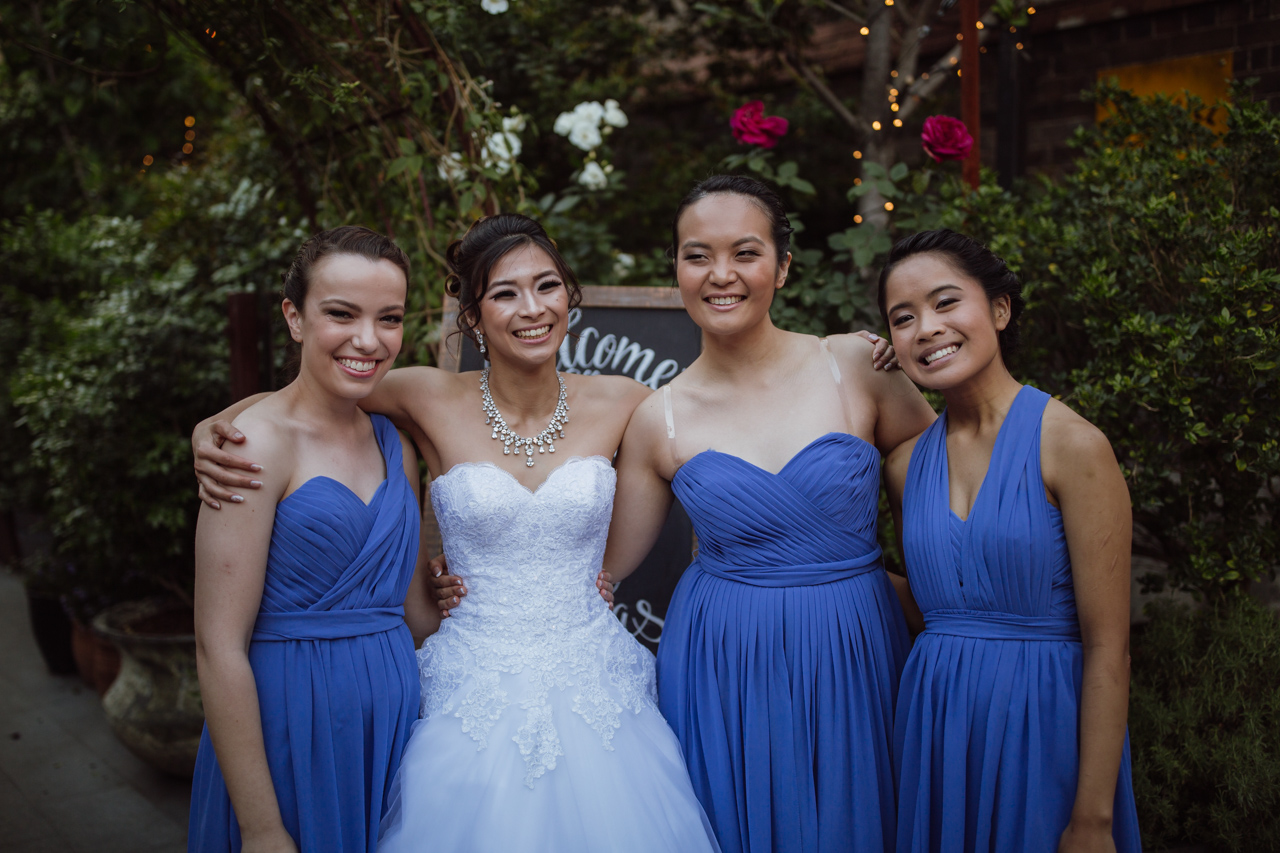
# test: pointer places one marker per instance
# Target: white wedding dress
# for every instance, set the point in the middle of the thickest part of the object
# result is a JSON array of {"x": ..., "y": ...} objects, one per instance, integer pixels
[{"x": 539, "y": 729}]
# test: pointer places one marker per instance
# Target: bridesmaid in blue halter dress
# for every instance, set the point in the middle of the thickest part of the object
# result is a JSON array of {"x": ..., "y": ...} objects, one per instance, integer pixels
[
  {"x": 784, "y": 640},
  {"x": 306, "y": 663},
  {"x": 991, "y": 724}
]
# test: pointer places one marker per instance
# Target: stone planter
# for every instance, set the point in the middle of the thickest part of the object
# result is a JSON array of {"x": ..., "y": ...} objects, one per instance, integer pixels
[
  {"x": 154, "y": 705},
  {"x": 96, "y": 659}
]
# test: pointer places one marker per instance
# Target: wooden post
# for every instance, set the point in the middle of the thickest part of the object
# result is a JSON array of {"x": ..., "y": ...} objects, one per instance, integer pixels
[
  {"x": 242, "y": 334},
  {"x": 970, "y": 103}
]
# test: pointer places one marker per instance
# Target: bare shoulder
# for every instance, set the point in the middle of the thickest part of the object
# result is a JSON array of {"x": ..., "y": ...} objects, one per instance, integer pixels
[
  {"x": 1072, "y": 448},
  {"x": 615, "y": 390},
  {"x": 270, "y": 437},
  {"x": 854, "y": 355},
  {"x": 649, "y": 420}
]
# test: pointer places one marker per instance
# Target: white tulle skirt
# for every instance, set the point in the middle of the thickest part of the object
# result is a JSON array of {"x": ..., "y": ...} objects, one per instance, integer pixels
[{"x": 507, "y": 763}]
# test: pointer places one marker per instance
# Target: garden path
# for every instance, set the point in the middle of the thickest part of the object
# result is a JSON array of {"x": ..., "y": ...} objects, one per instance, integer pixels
[{"x": 66, "y": 783}]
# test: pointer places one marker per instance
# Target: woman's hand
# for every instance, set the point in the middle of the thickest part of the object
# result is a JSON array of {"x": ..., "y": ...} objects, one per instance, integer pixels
[
  {"x": 882, "y": 356},
  {"x": 1087, "y": 837},
  {"x": 215, "y": 467},
  {"x": 450, "y": 590}
]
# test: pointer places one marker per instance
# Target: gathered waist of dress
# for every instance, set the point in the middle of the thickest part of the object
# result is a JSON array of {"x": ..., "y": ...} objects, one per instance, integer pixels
[
  {"x": 809, "y": 574},
  {"x": 993, "y": 625},
  {"x": 326, "y": 624}
]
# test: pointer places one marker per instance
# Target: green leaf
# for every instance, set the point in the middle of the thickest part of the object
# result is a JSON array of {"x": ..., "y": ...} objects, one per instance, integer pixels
[
  {"x": 407, "y": 146},
  {"x": 801, "y": 185},
  {"x": 412, "y": 165},
  {"x": 787, "y": 171},
  {"x": 898, "y": 172}
]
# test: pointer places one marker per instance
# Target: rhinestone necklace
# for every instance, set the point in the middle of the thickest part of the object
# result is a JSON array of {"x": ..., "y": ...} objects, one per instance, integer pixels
[{"x": 503, "y": 433}]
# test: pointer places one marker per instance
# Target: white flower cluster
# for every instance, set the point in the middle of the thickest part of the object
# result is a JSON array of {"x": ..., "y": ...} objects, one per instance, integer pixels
[
  {"x": 499, "y": 151},
  {"x": 586, "y": 126},
  {"x": 495, "y": 7},
  {"x": 589, "y": 121}
]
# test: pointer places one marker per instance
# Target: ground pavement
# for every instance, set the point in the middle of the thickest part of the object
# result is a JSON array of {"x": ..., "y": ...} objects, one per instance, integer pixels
[{"x": 66, "y": 783}]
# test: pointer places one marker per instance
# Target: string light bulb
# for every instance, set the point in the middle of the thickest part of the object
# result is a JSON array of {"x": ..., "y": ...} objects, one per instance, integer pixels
[
  {"x": 866, "y": 31},
  {"x": 875, "y": 125},
  {"x": 893, "y": 73},
  {"x": 1031, "y": 10},
  {"x": 897, "y": 122},
  {"x": 857, "y": 155},
  {"x": 959, "y": 36},
  {"x": 893, "y": 107},
  {"x": 857, "y": 218},
  {"x": 888, "y": 205},
  {"x": 190, "y": 135},
  {"x": 148, "y": 160},
  {"x": 979, "y": 25},
  {"x": 893, "y": 92},
  {"x": 1018, "y": 45},
  {"x": 188, "y": 148},
  {"x": 190, "y": 121},
  {"x": 857, "y": 182}
]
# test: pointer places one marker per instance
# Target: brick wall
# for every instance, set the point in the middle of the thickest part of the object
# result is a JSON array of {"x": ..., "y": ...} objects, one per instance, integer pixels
[{"x": 1069, "y": 42}]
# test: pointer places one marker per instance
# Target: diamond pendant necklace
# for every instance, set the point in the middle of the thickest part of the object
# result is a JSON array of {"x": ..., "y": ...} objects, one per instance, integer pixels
[{"x": 503, "y": 433}]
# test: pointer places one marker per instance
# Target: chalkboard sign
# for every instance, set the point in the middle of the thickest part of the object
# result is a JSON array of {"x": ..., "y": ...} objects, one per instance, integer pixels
[{"x": 644, "y": 333}]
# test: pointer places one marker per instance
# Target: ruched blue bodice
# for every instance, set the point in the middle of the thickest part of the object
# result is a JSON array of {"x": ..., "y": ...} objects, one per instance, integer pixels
[
  {"x": 986, "y": 736},
  {"x": 333, "y": 661},
  {"x": 782, "y": 648}
]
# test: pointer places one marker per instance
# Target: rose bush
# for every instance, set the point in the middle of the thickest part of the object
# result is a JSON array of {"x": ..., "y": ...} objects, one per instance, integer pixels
[
  {"x": 752, "y": 127},
  {"x": 946, "y": 138}
]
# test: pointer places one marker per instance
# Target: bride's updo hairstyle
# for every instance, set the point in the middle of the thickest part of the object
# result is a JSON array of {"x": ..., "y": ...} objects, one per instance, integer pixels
[
  {"x": 344, "y": 240},
  {"x": 471, "y": 261},
  {"x": 971, "y": 258},
  {"x": 760, "y": 195}
]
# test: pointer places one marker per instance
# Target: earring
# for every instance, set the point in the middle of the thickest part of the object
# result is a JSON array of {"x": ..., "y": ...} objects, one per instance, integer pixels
[{"x": 480, "y": 342}]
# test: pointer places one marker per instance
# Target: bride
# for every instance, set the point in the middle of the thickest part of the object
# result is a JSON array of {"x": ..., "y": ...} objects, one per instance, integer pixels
[{"x": 539, "y": 724}]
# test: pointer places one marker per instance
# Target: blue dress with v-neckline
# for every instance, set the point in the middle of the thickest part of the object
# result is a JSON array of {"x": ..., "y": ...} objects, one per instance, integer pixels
[
  {"x": 333, "y": 662},
  {"x": 782, "y": 648},
  {"x": 986, "y": 737}
]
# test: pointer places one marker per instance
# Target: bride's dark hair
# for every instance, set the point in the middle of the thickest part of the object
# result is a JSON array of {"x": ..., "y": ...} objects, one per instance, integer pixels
[{"x": 471, "y": 261}]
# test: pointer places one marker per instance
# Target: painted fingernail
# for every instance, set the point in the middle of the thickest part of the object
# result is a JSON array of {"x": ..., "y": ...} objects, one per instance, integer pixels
[
  {"x": 257, "y": 484},
  {"x": 217, "y": 505},
  {"x": 255, "y": 467},
  {"x": 237, "y": 499},
  {"x": 239, "y": 435},
  {"x": 874, "y": 336}
]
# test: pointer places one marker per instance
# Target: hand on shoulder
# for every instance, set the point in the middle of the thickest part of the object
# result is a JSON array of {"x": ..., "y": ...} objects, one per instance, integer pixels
[{"x": 270, "y": 437}]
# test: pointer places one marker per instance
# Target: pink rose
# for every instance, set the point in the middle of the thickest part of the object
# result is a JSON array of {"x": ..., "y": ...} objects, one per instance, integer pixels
[
  {"x": 946, "y": 138},
  {"x": 752, "y": 127}
]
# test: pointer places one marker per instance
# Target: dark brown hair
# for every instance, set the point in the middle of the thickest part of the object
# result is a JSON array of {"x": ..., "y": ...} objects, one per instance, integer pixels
[
  {"x": 471, "y": 261},
  {"x": 344, "y": 240},
  {"x": 974, "y": 260}
]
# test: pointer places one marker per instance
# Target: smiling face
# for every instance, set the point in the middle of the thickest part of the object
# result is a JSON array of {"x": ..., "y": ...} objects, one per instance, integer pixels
[
  {"x": 524, "y": 311},
  {"x": 726, "y": 263},
  {"x": 353, "y": 324},
  {"x": 943, "y": 326}
]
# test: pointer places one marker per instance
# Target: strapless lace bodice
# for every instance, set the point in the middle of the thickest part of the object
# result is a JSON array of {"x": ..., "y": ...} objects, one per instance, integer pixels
[{"x": 533, "y": 621}]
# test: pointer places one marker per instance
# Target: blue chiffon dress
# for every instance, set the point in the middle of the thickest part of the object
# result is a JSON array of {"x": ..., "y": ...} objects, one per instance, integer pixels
[
  {"x": 986, "y": 740},
  {"x": 333, "y": 661},
  {"x": 782, "y": 649}
]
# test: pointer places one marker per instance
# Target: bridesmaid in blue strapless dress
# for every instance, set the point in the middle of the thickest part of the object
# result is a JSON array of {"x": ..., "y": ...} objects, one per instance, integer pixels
[
  {"x": 333, "y": 662},
  {"x": 1010, "y": 726},
  {"x": 782, "y": 646}
]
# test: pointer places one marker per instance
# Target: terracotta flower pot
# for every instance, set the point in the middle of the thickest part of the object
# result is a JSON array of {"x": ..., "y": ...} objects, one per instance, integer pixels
[
  {"x": 154, "y": 705},
  {"x": 96, "y": 659}
]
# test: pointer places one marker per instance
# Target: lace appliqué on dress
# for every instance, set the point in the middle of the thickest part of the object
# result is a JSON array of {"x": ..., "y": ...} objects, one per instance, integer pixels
[{"x": 532, "y": 631}]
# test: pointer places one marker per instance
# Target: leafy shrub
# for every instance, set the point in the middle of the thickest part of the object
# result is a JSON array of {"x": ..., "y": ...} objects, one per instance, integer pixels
[
  {"x": 1204, "y": 721},
  {"x": 109, "y": 388}
]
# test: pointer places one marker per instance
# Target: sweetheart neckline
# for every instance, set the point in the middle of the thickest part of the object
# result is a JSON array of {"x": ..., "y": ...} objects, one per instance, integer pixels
[
  {"x": 785, "y": 466},
  {"x": 343, "y": 486},
  {"x": 514, "y": 479}
]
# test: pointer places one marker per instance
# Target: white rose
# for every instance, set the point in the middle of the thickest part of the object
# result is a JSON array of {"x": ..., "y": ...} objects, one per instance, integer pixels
[
  {"x": 589, "y": 111},
  {"x": 593, "y": 177},
  {"x": 613, "y": 114},
  {"x": 450, "y": 167},
  {"x": 564, "y": 123},
  {"x": 495, "y": 7},
  {"x": 499, "y": 150},
  {"x": 513, "y": 124},
  {"x": 585, "y": 136}
]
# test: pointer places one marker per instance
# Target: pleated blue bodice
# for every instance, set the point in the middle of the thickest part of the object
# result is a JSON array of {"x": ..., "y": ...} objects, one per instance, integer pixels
[
  {"x": 812, "y": 522},
  {"x": 986, "y": 733},
  {"x": 333, "y": 661},
  {"x": 782, "y": 648}
]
